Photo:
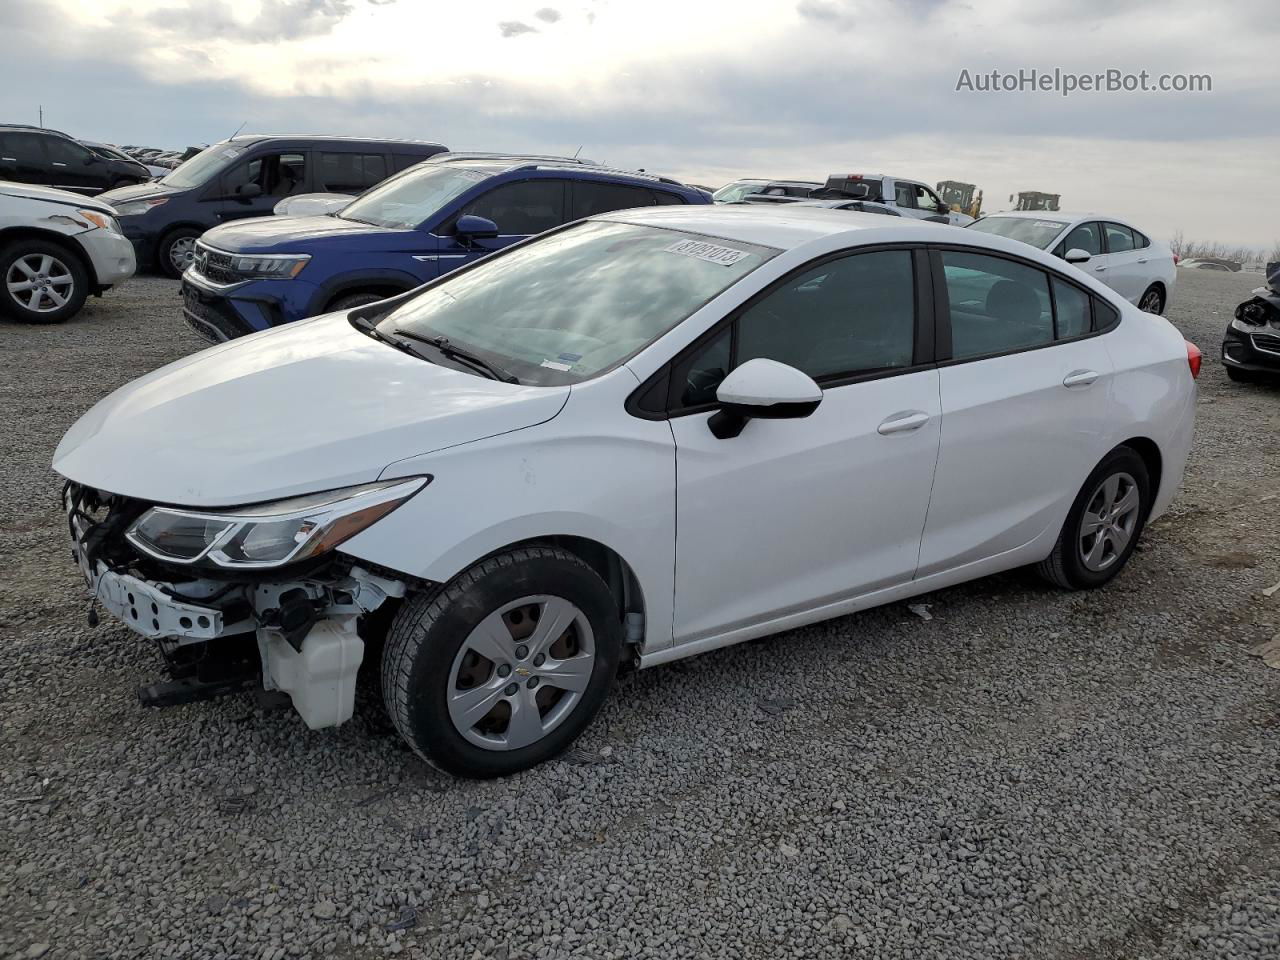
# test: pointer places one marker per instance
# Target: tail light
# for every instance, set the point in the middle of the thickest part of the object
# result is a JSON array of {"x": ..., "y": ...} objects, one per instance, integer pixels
[
  {"x": 1194, "y": 356},
  {"x": 1176, "y": 259}
]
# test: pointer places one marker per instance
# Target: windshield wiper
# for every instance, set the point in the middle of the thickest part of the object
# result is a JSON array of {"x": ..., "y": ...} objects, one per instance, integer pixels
[
  {"x": 457, "y": 353},
  {"x": 367, "y": 326}
]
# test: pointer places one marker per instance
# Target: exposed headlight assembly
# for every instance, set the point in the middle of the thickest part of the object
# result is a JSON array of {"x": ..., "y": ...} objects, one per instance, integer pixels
[
  {"x": 269, "y": 266},
  {"x": 268, "y": 534}
]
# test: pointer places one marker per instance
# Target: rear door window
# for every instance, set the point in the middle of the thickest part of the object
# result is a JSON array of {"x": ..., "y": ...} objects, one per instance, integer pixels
[
  {"x": 522, "y": 208},
  {"x": 26, "y": 148},
  {"x": 996, "y": 305},
  {"x": 1071, "y": 304},
  {"x": 905, "y": 195},
  {"x": 590, "y": 198},
  {"x": 1119, "y": 238},
  {"x": 351, "y": 172}
]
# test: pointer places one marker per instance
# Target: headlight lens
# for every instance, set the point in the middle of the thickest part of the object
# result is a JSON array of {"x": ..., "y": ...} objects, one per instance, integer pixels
[
  {"x": 100, "y": 220},
  {"x": 133, "y": 208},
  {"x": 269, "y": 534},
  {"x": 275, "y": 266}
]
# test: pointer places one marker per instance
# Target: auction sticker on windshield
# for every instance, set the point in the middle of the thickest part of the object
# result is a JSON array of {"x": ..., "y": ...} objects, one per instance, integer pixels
[{"x": 712, "y": 253}]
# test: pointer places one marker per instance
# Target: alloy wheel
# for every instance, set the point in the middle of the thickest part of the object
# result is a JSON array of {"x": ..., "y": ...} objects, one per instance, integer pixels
[
  {"x": 1150, "y": 302},
  {"x": 1109, "y": 521},
  {"x": 40, "y": 282},
  {"x": 521, "y": 672}
]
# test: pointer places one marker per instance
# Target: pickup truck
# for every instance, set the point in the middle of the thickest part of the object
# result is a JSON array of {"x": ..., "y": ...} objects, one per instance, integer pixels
[{"x": 910, "y": 197}]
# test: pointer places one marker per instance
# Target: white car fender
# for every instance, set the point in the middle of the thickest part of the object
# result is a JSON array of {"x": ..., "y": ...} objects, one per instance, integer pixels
[{"x": 529, "y": 484}]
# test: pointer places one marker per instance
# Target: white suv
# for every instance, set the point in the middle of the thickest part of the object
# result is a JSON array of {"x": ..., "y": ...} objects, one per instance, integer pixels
[
  {"x": 910, "y": 198},
  {"x": 56, "y": 248}
]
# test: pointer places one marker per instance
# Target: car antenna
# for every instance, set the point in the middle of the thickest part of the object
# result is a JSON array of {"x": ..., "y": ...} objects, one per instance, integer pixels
[
  {"x": 578, "y": 151},
  {"x": 238, "y": 129}
]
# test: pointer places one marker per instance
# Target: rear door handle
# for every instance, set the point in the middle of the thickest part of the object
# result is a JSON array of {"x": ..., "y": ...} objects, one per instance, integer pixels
[
  {"x": 903, "y": 422},
  {"x": 1142, "y": 259},
  {"x": 1080, "y": 378},
  {"x": 57, "y": 164},
  {"x": 1099, "y": 269}
]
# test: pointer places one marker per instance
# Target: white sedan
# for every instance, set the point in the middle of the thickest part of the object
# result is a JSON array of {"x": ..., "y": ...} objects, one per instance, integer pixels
[
  {"x": 640, "y": 436},
  {"x": 1138, "y": 268}
]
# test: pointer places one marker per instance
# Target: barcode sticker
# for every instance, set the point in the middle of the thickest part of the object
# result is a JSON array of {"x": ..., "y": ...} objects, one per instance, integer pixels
[{"x": 711, "y": 252}]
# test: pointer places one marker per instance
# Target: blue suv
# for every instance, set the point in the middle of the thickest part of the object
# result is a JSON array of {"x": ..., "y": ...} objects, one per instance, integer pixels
[{"x": 414, "y": 227}]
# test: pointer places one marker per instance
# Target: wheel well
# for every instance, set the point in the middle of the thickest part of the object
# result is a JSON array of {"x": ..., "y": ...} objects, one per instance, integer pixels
[
  {"x": 69, "y": 243},
  {"x": 1150, "y": 454},
  {"x": 608, "y": 563},
  {"x": 1157, "y": 284},
  {"x": 381, "y": 289}
]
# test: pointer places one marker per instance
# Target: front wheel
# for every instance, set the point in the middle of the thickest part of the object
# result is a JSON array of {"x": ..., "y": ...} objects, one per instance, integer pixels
[
  {"x": 43, "y": 282},
  {"x": 177, "y": 250},
  {"x": 1104, "y": 524},
  {"x": 506, "y": 665}
]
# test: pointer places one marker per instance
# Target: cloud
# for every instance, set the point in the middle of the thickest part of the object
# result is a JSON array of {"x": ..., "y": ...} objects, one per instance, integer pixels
[
  {"x": 276, "y": 20},
  {"x": 513, "y": 28},
  {"x": 548, "y": 14}
]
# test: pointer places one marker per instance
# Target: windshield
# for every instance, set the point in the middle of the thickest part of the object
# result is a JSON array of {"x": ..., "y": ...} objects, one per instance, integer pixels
[
  {"x": 201, "y": 168},
  {"x": 415, "y": 196},
  {"x": 1032, "y": 230},
  {"x": 570, "y": 305},
  {"x": 737, "y": 190}
]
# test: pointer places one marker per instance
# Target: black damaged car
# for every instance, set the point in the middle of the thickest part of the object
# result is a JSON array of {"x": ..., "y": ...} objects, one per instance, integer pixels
[{"x": 1251, "y": 347}]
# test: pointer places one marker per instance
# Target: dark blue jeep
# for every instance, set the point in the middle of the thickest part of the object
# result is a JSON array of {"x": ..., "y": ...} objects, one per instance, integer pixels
[{"x": 419, "y": 224}]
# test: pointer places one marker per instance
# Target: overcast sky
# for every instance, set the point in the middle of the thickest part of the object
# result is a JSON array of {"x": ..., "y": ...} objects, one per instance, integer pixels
[{"x": 703, "y": 90}]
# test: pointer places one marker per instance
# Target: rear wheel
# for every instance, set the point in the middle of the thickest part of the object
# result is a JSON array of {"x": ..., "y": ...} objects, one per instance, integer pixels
[
  {"x": 506, "y": 665},
  {"x": 176, "y": 250},
  {"x": 44, "y": 282},
  {"x": 1103, "y": 525},
  {"x": 1152, "y": 300}
]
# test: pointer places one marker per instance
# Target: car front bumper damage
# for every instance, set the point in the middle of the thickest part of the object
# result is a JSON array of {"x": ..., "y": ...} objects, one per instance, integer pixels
[{"x": 304, "y": 627}]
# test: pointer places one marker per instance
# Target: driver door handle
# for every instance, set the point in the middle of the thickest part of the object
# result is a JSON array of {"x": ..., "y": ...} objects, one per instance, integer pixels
[
  {"x": 1142, "y": 259},
  {"x": 1080, "y": 378},
  {"x": 903, "y": 422}
]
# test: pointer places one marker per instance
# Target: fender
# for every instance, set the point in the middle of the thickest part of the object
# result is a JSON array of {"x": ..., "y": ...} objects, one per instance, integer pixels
[{"x": 399, "y": 280}]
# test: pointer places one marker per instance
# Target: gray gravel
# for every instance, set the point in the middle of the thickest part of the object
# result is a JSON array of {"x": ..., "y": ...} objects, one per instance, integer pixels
[{"x": 1027, "y": 774}]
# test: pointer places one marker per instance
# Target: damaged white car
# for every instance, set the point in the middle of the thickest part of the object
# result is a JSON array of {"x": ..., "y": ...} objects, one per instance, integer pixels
[{"x": 638, "y": 437}]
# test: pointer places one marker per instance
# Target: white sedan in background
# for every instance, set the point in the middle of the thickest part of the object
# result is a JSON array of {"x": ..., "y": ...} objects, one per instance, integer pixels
[
  {"x": 1109, "y": 249},
  {"x": 640, "y": 436}
]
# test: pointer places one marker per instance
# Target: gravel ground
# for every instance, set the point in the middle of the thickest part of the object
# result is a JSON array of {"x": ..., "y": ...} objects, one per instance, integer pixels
[{"x": 1028, "y": 774}]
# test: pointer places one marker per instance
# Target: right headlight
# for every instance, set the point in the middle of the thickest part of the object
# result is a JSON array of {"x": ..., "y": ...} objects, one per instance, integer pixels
[
  {"x": 268, "y": 266},
  {"x": 269, "y": 534}
]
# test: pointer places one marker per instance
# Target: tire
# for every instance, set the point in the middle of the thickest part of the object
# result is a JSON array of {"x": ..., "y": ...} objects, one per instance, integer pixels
[
  {"x": 175, "y": 250},
  {"x": 349, "y": 301},
  {"x": 34, "y": 275},
  {"x": 432, "y": 658},
  {"x": 1152, "y": 299},
  {"x": 1068, "y": 566}
]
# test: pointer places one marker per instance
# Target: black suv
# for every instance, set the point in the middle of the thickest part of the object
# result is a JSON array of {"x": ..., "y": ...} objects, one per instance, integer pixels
[
  {"x": 247, "y": 176},
  {"x": 50, "y": 158}
]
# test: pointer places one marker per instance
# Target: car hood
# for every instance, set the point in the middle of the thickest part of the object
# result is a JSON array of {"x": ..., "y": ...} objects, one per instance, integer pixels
[
  {"x": 312, "y": 406},
  {"x": 31, "y": 192},
  {"x": 263, "y": 234},
  {"x": 138, "y": 191}
]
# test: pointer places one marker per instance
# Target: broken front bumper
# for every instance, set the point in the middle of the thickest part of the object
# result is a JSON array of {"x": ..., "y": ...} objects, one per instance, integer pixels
[
  {"x": 1255, "y": 350},
  {"x": 305, "y": 629}
]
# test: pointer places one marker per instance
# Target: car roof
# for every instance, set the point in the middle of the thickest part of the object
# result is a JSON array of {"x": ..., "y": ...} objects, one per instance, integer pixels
[
  {"x": 247, "y": 138},
  {"x": 1066, "y": 216},
  {"x": 494, "y": 164},
  {"x": 791, "y": 225}
]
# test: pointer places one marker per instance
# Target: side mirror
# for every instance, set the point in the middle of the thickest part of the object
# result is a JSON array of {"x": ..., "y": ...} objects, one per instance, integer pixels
[
  {"x": 470, "y": 227},
  {"x": 1076, "y": 255},
  {"x": 247, "y": 191},
  {"x": 762, "y": 389}
]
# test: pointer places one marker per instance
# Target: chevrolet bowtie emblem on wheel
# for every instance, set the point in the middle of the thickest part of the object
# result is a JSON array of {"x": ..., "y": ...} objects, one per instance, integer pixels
[{"x": 522, "y": 671}]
